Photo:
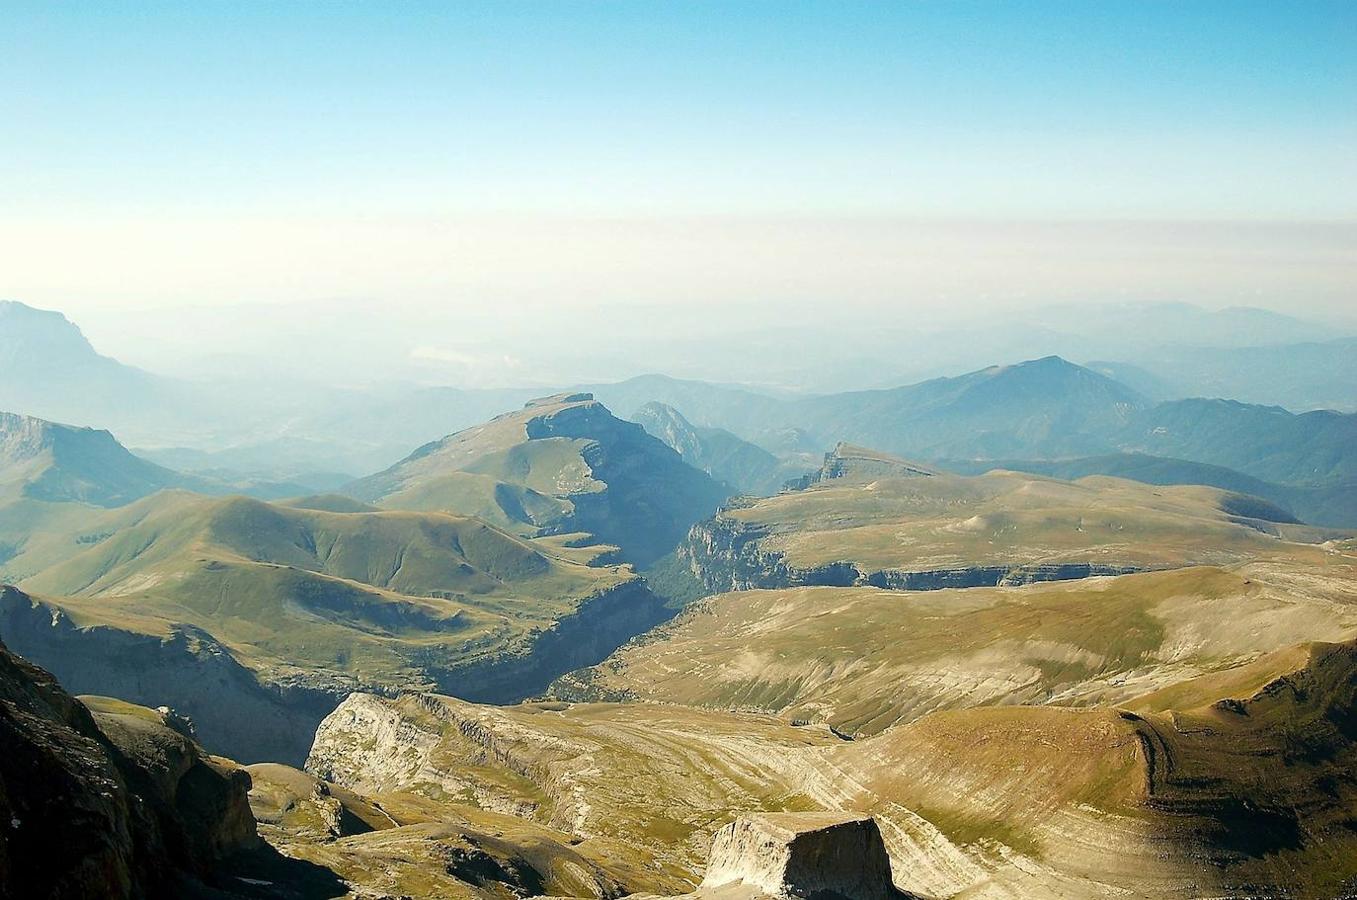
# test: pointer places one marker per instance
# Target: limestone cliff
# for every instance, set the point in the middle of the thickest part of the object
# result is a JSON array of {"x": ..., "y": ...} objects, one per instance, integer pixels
[
  {"x": 236, "y": 715},
  {"x": 847, "y": 462},
  {"x": 727, "y": 554}
]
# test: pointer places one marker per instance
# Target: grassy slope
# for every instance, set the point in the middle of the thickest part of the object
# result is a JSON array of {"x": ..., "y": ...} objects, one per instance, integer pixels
[
  {"x": 1000, "y": 518},
  {"x": 559, "y": 464},
  {"x": 1250, "y": 797},
  {"x": 1240, "y": 798},
  {"x": 865, "y": 659},
  {"x": 365, "y": 594}
]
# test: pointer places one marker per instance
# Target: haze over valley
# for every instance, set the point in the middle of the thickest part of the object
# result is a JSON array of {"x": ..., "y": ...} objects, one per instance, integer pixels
[{"x": 841, "y": 452}]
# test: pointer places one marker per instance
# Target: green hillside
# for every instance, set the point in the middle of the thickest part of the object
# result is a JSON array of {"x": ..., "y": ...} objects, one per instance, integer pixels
[
  {"x": 323, "y": 601},
  {"x": 562, "y": 464},
  {"x": 870, "y": 525},
  {"x": 865, "y": 659},
  {"x": 1266, "y": 442}
]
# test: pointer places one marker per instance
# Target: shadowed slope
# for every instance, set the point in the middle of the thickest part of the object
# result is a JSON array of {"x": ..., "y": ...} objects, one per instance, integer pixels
[
  {"x": 47, "y": 461},
  {"x": 314, "y": 603},
  {"x": 744, "y": 466},
  {"x": 562, "y": 464},
  {"x": 114, "y": 804}
]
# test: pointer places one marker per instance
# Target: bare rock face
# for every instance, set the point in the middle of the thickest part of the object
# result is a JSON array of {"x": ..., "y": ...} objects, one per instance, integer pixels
[
  {"x": 812, "y": 855},
  {"x": 850, "y": 463},
  {"x": 104, "y": 800}
]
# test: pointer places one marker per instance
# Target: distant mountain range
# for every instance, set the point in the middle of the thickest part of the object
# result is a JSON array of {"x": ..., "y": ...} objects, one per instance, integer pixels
[
  {"x": 48, "y": 461},
  {"x": 1047, "y": 405},
  {"x": 1300, "y": 376},
  {"x": 1053, "y": 410},
  {"x": 49, "y": 369},
  {"x": 275, "y": 440},
  {"x": 746, "y": 467},
  {"x": 1332, "y": 505},
  {"x": 1188, "y": 351}
]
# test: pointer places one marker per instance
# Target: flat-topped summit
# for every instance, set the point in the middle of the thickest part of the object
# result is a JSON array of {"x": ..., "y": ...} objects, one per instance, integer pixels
[
  {"x": 849, "y": 462},
  {"x": 561, "y": 399},
  {"x": 811, "y": 855}
]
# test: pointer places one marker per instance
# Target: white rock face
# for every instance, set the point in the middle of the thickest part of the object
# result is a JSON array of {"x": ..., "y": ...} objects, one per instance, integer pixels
[
  {"x": 803, "y": 855},
  {"x": 366, "y": 745}
]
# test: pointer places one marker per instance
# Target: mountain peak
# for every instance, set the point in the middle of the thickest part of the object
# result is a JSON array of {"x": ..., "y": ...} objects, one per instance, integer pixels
[
  {"x": 1050, "y": 363},
  {"x": 22, "y": 437},
  {"x": 32, "y": 335},
  {"x": 49, "y": 461},
  {"x": 561, "y": 464},
  {"x": 1056, "y": 370}
]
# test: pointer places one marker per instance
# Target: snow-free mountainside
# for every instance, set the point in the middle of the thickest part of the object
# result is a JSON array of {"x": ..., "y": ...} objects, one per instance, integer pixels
[{"x": 1042, "y": 630}]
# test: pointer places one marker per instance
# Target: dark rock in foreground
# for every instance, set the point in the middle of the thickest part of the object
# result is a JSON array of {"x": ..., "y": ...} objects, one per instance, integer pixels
[{"x": 114, "y": 804}]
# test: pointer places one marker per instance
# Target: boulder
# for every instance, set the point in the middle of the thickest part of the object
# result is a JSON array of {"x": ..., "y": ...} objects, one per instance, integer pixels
[{"x": 812, "y": 855}]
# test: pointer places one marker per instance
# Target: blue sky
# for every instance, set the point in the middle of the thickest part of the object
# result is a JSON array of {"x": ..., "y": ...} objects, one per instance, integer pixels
[
  {"x": 503, "y": 164},
  {"x": 1102, "y": 110}
]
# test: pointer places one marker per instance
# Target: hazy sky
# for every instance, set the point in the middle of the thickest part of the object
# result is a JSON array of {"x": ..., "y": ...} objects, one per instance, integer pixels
[{"x": 178, "y": 177}]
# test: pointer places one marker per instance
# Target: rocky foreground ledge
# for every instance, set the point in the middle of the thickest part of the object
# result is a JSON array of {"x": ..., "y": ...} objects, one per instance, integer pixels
[{"x": 801, "y": 855}]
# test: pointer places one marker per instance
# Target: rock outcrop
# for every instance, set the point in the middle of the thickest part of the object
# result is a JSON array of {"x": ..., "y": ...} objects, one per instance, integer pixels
[
  {"x": 848, "y": 462},
  {"x": 818, "y": 856},
  {"x": 111, "y": 804},
  {"x": 726, "y": 554},
  {"x": 644, "y": 787},
  {"x": 417, "y": 848}
]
